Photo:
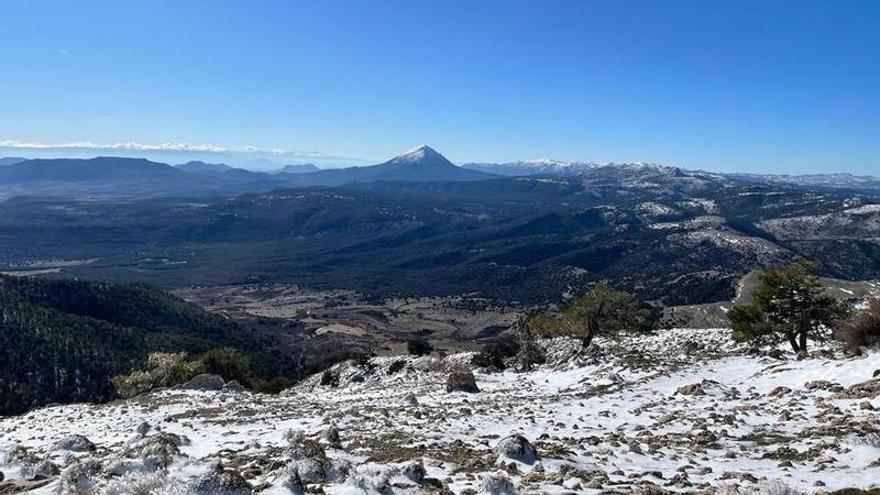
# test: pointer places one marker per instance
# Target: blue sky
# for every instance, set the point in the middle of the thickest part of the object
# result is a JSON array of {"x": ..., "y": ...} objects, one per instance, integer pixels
[{"x": 764, "y": 86}]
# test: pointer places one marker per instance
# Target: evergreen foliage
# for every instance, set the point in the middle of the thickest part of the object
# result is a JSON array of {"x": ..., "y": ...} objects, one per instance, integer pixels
[
  {"x": 63, "y": 340},
  {"x": 788, "y": 305}
]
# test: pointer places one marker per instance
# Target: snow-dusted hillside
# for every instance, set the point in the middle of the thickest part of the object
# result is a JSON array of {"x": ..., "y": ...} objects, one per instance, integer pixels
[{"x": 679, "y": 411}]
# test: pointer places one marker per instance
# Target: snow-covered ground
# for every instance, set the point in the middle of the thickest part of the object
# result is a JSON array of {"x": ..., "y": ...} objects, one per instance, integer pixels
[{"x": 678, "y": 411}]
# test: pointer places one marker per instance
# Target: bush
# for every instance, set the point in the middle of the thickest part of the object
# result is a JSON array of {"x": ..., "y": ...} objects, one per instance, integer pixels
[
  {"x": 493, "y": 354},
  {"x": 419, "y": 347},
  {"x": 229, "y": 364},
  {"x": 600, "y": 311},
  {"x": 275, "y": 385},
  {"x": 862, "y": 329},
  {"x": 163, "y": 370}
]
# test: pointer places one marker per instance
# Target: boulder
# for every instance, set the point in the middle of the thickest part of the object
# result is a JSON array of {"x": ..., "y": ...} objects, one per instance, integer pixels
[
  {"x": 40, "y": 471},
  {"x": 414, "y": 471},
  {"x": 221, "y": 481},
  {"x": 75, "y": 443},
  {"x": 331, "y": 436},
  {"x": 204, "y": 381},
  {"x": 79, "y": 477},
  {"x": 155, "y": 451},
  {"x": 496, "y": 484},
  {"x": 461, "y": 381},
  {"x": 309, "y": 461},
  {"x": 518, "y": 448}
]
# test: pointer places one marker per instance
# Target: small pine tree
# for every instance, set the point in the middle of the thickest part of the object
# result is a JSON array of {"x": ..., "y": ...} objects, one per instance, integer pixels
[
  {"x": 600, "y": 311},
  {"x": 788, "y": 305}
]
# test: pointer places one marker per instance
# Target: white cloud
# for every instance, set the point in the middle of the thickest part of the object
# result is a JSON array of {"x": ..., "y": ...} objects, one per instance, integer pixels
[
  {"x": 251, "y": 156},
  {"x": 130, "y": 146}
]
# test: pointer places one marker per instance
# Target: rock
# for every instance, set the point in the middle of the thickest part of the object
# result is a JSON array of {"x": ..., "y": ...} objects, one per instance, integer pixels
[
  {"x": 40, "y": 471},
  {"x": 204, "y": 381},
  {"x": 396, "y": 366},
  {"x": 461, "y": 381},
  {"x": 707, "y": 387},
  {"x": 331, "y": 436},
  {"x": 309, "y": 460},
  {"x": 75, "y": 443},
  {"x": 496, "y": 484},
  {"x": 293, "y": 483},
  {"x": 221, "y": 481},
  {"x": 330, "y": 378},
  {"x": 155, "y": 451},
  {"x": 823, "y": 385},
  {"x": 865, "y": 390},
  {"x": 233, "y": 386},
  {"x": 779, "y": 391},
  {"x": 143, "y": 429},
  {"x": 866, "y": 406},
  {"x": 79, "y": 477},
  {"x": 704, "y": 437},
  {"x": 414, "y": 471},
  {"x": 518, "y": 448},
  {"x": 411, "y": 399}
]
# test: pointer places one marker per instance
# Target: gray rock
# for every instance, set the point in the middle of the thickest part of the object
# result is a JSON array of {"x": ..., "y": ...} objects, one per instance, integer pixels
[
  {"x": 41, "y": 470},
  {"x": 461, "y": 381},
  {"x": 79, "y": 477},
  {"x": 203, "y": 381},
  {"x": 75, "y": 443},
  {"x": 156, "y": 451},
  {"x": 331, "y": 436},
  {"x": 233, "y": 386},
  {"x": 518, "y": 448},
  {"x": 414, "y": 471},
  {"x": 497, "y": 484},
  {"x": 309, "y": 460},
  {"x": 221, "y": 481}
]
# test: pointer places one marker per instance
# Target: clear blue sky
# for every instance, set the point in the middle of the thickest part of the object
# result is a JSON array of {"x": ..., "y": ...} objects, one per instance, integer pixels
[{"x": 787, "y": 86}]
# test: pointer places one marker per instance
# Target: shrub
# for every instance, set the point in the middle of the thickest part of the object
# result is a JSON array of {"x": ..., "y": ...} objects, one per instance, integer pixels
[
  {"x": 419, "y": 347},
  {"x": 862, "y": 329},
  {"x": 493, "y": 354},
  {"x": 600, "y": 311},
  {"x": 229, "y": 364},
  {"x": 163, "y": 370}
]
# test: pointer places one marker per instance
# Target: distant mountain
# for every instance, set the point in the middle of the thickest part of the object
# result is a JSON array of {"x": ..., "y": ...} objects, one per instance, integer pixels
[
  {"x": 10, "y": 160},
  {"x": 124, "y": 178},
  {"x": 101, "y": 168},
  {"x": 203, "y": 168},
  {"x": 828, "y": 181},
  {"x": 416, "y": 165},
  {"x": 304, "y": 168},
  {"x": 532, "y": 167}
]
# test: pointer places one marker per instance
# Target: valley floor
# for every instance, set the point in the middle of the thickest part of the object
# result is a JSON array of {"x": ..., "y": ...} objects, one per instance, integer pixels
[{"x": 681, "y": 411}]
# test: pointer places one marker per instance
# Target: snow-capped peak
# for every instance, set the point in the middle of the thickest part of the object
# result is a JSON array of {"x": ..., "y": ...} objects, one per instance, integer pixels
[{"x": 420, "y": 155}]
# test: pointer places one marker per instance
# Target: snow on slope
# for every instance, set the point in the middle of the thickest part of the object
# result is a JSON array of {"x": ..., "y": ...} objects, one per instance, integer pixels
[{"x": 679, "y": 411}]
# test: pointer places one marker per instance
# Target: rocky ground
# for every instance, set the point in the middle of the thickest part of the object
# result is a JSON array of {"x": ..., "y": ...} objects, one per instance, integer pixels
[{"x": 681, "y": 411}]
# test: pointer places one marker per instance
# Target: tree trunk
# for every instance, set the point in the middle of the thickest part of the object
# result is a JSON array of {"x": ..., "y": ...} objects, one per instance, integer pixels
[
  {"x": 592, "y": 330},
  {"x": 803, "y": 340},
  {"x": 792, "y": 339}
]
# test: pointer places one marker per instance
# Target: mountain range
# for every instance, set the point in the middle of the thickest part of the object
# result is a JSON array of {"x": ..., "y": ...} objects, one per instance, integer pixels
[
  {"x": 132, "y": 178},
  {"x": 670, "y": 235}
]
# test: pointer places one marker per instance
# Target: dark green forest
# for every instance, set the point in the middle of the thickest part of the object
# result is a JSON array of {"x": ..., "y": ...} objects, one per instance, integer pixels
[{"x": 63, "y": 340}]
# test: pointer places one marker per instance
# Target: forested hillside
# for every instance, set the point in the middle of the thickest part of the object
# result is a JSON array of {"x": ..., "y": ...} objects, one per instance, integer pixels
[{"x": 63, "y": 340}]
